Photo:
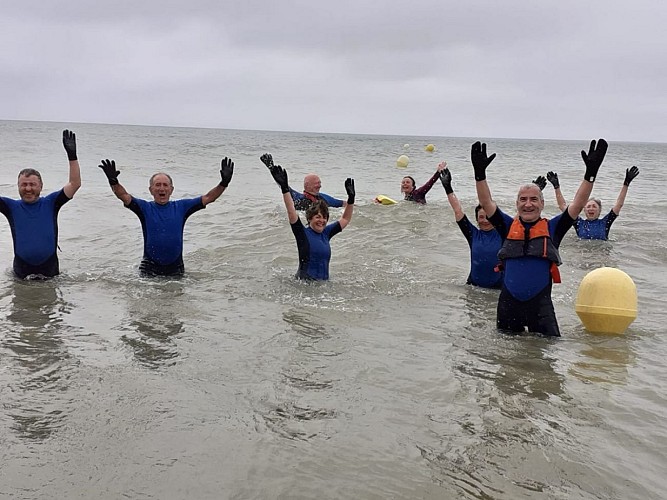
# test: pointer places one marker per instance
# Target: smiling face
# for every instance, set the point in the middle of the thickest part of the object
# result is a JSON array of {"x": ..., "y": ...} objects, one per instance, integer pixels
[
  {"x": 529, "y": 203},
  {"x": 312, "y": 184},
  {"x": 407, "y": 185},
  {"x": 161, "y": 187},
  {"x": 30, "y": 187},
  {"x": 482, "y": 221},
  {"x": 592, "y": 209}
]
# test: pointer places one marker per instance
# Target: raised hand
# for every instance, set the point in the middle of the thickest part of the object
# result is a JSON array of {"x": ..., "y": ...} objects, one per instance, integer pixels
[
  {"x": 109, "y": 169},
  {"x": 630, "y": 174},
  {"x": 593, "y": 159},
  {"x": 480, "y": 160},
  {"x": 226, "y": 171},
  {"x": 280, "y": 176},
  {"x": 349, "y": 188},
  {"x": 446, "y": 179},
  {"x": 541, "y": 182},
  {"x": 267, "y": 160},
  {"x": 552, "y": 177},
  {"x": 69, "y": 141}
]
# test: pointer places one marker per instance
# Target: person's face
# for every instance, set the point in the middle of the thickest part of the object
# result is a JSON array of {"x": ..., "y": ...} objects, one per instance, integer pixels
[
  {"x": 318, "y": 222},
  {"x": 406, "y": 185},
  {"x": 161, "y": 189},
  {"x": 529, "y": 203},
  {"x": 30, "y": 187},
  {"x": 482, "y": 221},
  {"x": 592, "y": 210},
  {"x": 312, "y": 184}
]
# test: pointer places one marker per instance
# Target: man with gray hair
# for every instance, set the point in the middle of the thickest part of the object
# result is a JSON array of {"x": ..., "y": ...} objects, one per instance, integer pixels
[
  {"x": 529, "y": 253},
  {"x": 34, "y": 219},
  {"x": 162, "y": 220}
]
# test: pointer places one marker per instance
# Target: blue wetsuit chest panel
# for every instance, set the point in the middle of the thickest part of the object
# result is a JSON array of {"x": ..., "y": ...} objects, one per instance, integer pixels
[
  {"x": 597, "y": 229},
  {"x": 162, "y": 226},
  {"x": 314, "y": 249},
  {"x": 484, "y": 246}
]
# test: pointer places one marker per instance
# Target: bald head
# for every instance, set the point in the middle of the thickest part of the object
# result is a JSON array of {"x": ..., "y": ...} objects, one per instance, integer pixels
[{"x": 312, "y": 184}]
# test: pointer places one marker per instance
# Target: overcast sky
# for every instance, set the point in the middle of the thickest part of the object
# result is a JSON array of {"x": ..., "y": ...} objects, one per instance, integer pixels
[{"x": 564, "y": 69}]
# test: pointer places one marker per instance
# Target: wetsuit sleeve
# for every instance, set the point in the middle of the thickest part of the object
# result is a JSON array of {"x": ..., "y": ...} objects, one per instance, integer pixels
[
  {"x": 560, "y": 225},
  {"x": 4, "y": 209},
  {"x": 135, "y": 206},
  {"x": 427, "y": 187},
  {"x": 333, "y": 229},
  {"x": 501, "y": 221},
  {"x": 331, "y": 201},
  {"x": 296, "y": 196},
  {"x": 608, "y": 221},
  {"x": 190, "y": 206},
  {"x": 466, "y": 228},
  {"x": 61, "y": 199}
]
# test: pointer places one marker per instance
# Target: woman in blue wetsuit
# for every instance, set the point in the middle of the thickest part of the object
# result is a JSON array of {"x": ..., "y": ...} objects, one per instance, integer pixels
[
  {"x": 313, "y": 240},
  {"x": 593, "y": 227},
  {"x": 484, "y": 241}
]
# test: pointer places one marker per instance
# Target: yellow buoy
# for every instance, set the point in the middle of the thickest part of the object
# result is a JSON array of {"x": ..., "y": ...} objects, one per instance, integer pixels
[
  {"x": 402, "y": 161},
  {"x": 430, "y": 148},
  {"x": 606, "y": 301}
]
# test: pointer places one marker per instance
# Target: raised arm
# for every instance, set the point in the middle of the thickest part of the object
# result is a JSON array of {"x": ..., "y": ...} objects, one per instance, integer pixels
[
  {"x": 226, "y": 173},
  {"x": 552, "y": 177},
  {"x": 429, "y": 183},
  {"x": 630, "y": 174},
  {"x": 280, "y": 176},
  {"x": 74, "y": 182},
  {"x": 479, "y": 163},
  {"x": 593, "y": 160},
  {"x": 109, "y": 169},
  {"x": 446, "y": 179},
  {"x": 349, "y": 207}
]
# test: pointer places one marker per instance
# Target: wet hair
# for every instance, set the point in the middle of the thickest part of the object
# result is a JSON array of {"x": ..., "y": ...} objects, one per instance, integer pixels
[
  {"x": 596, "y": 200},
  {"x": 150, "y": 182},
  {"x": 531, "y": 185},
  {"x": 317, "y": 207},
  {"x": 414, "y": 184},
  {"x": 30, "y": 171},
  {"x": 477, "y": 209}
]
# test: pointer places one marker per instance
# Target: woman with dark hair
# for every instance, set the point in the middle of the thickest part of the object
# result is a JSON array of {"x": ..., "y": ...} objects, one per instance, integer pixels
[
  {"x": 418, "y": 195},
  {"x": 312, "y": 241},
  {"x": 484, "y": 241}
]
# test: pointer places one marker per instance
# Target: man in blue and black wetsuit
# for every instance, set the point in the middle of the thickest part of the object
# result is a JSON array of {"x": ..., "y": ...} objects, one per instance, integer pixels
[
  {"x": 529, "y": 254},
  {"x": 311, "y": 190},
  {"x": 162, "y": 220},
  {"x": 34, "y": 219},
  {"x": 593, "y": 227}
]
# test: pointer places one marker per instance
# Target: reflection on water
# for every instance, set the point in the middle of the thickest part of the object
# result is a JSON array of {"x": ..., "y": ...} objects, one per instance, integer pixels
[
  {"x": 155, "y": 320},
  {"x": 34, "y": 330},
  {"x": 604, "y": 358}
]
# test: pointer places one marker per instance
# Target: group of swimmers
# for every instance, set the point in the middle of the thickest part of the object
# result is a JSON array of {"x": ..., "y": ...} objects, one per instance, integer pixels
[{"x": 519, "y": 255}]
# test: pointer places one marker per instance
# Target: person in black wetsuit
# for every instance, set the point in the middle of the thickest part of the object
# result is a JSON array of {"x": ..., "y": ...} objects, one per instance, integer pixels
[
  {"x": 313, "y": 240},
  {"x": 34, "y": 219},
  {"x": 162, "y": 220}
]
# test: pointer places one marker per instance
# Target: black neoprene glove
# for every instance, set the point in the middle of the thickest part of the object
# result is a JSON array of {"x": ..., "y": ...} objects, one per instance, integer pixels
[
  {"x": 226, "y": 171},
  {"x": 349, "y": 188},
  {"x": 552, "y": 177},
  {"x": 594, "y": 158},
  {"x": 69, "y": 141},
  {"x": 267, "y": 160},
  {"x": 479, "y": 160},
  {"x": 109, "y": 169},
  {"x": 541, "y": 182},
  {"x": 280, "y": 176},
  {"x": 446, "y": 179},
  {"x": 630, "y": 173}
]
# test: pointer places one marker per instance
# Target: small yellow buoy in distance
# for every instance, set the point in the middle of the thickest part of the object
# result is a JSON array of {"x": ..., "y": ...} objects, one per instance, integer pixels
[
  {"x": 402, "y": 161},
  {"x": 607, "y": 301},
  {"x": 430, "y": 148}
]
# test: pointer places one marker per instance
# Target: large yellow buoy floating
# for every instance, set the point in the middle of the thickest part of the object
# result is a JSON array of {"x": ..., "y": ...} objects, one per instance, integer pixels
[
  {"x": 430, "y": 148},
  {"x": 402, "y": 161},
  {"x": 606, "y": 301}
]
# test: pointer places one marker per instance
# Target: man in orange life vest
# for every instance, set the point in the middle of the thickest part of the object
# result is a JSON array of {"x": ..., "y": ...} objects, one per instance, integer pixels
[{"x": 529, "y": 254}]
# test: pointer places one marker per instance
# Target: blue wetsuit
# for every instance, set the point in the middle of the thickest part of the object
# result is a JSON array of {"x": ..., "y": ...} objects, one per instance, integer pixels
[
  {"x": 597, "y": 229},
  {"x": 314, "y": 250},
  {"x": 162, "y": 227},
  {"x": 484, "y": 246},
  {"x": 525, "y": 297},
  {"x": 303, "y": 200},
  {"x": 34, "y": 229}
]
